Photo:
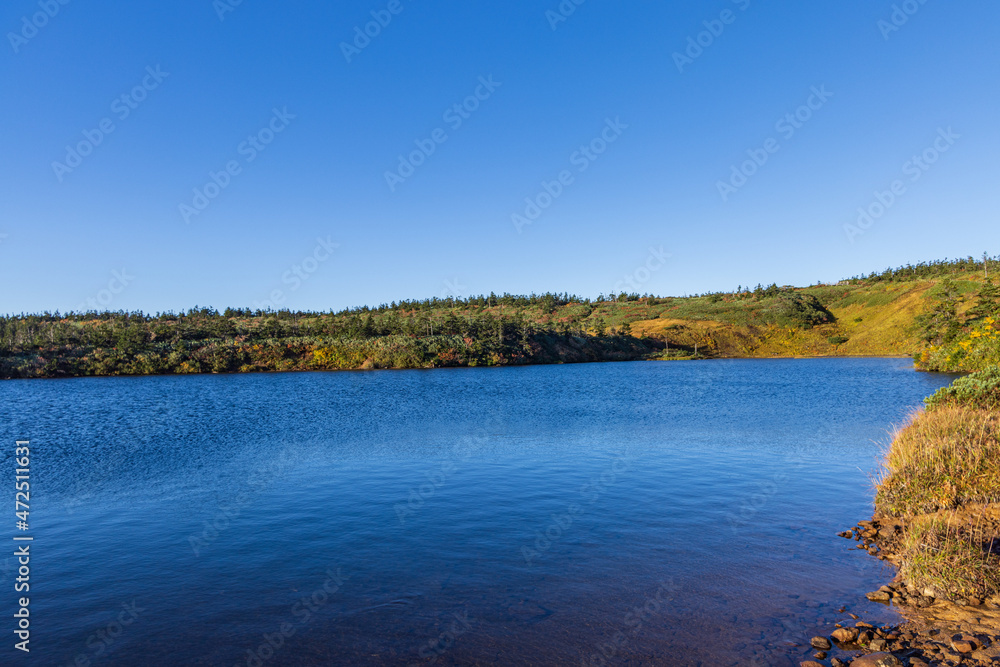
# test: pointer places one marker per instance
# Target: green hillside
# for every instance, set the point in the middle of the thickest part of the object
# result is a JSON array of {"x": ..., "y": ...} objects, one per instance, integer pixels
[{"x": 939, "y": 312}]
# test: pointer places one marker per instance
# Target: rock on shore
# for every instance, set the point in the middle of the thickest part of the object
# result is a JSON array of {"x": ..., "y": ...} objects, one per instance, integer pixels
[{"x": 937, "y": 631}]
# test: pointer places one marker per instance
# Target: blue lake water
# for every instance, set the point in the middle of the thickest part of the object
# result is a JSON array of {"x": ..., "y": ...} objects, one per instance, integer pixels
[{"x": 680, "y": 513}]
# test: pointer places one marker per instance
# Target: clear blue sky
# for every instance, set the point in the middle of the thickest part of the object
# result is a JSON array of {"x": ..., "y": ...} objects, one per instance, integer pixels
[{"x": 448, "y": 225}]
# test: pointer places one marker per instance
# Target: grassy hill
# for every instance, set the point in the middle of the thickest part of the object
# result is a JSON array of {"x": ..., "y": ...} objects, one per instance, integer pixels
[
  {"x": 868, "y": 319},
  {"x": 876, "y": 315}
]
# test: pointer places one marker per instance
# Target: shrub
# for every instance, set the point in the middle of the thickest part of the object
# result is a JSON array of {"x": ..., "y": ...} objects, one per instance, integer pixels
[
  {"x": 802, "y": 311},
  {"x": 978, "y": 390},
  {"x": 837, "y": 340}
]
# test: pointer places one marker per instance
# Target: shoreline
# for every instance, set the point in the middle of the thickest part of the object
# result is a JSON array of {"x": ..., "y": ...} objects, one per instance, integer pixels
[
  {"x": 937, "y": 521},
  {"x": 361, "y": 369},
  {"x": 934, "y": 630}
]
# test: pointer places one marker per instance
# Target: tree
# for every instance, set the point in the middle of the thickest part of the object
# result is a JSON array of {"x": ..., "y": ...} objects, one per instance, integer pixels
[
  {"x": 940, "y": 324},
  {"x": 987, "y": 302},
  {"x": 368, "y": 328},
  {"x": 451, "y": 325}
]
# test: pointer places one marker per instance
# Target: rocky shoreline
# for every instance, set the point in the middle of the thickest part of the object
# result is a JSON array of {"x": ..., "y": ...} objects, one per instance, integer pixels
[{"x": 936, "y": 631}]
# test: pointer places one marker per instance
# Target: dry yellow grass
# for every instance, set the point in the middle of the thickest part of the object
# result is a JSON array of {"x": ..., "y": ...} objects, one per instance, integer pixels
[
  {"x": 955, "y": 558},
  {"x": 877, "y": 323},
  {"x": 663, "y": 325},
  {"x": 883, "y": 329},
  {"x": 944, "y": 458},
  {"x": 942, "y": 474}
]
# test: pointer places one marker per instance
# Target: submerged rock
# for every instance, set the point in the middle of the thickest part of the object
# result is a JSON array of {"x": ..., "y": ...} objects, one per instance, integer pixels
[
  {"x": 877, "y": 660},
  {"x": 845, "y": 635}
]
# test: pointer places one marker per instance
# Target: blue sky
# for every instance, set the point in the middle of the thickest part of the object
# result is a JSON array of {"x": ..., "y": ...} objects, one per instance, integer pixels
[{"x": 312, "y": 221}]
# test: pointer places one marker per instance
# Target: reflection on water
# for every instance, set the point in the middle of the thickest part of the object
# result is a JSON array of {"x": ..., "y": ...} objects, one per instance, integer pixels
[{"x": 637, "y": 513}]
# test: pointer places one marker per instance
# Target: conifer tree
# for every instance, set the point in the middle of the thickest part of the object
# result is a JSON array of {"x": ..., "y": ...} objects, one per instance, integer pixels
[{"x": 987, "y": 302}]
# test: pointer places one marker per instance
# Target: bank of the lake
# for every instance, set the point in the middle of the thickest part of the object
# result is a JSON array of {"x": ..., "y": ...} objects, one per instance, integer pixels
[
  {"x": 937, "y": 520},
  {"x": 940, "y": 313}
]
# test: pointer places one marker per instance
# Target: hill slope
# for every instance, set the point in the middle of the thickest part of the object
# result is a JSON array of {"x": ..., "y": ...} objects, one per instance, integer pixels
[{"x": 938, "y": 312}]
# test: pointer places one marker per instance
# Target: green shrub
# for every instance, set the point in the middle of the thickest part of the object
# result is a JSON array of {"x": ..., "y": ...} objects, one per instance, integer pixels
[
  {"x": 837, "y": 340},
  {"x": 803, "y": 311},
  {"x": 978, "y": 390}
]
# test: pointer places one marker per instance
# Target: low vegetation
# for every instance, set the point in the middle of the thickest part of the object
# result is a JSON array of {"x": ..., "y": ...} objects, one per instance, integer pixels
[
  {"x": 979, "y": 390},
  {"x": 956, "y": 561},
  {"x": 942, "y": 478},
  {"x": 942, "y": 313},
  {"x": 946, "y": 458},
  {"x": 480, "y": 331},
  {"x": 204, "y": 341}
]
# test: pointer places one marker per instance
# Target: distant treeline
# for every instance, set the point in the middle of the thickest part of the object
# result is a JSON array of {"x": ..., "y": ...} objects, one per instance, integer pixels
[
  {"x": 484, "y": 330},
  {"x": 935, "y": 269}
]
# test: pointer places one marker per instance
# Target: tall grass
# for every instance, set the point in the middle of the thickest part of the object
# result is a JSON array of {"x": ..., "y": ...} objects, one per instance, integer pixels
[
  {"x": 945, "y": 458},
  {"x": 941, "y": 473},
  {"x": 956, "y": 560}
]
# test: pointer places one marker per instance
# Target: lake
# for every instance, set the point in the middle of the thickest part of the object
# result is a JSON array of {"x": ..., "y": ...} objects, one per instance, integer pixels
[{"x": 679, "y": 513}]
